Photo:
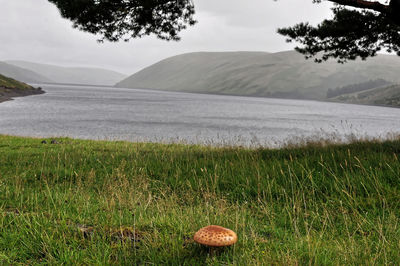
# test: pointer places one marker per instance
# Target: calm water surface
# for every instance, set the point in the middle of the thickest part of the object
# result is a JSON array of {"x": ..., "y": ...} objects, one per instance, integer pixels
[{"x": 142, "y": 115}]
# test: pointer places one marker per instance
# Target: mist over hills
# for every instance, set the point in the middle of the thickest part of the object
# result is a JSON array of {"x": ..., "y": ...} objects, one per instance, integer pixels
[
  {"x": 22, "y": 74},
  {"x": 70, "y": 75},
  {"x": 279, "y": 75},
  {"x": 283, "y": 75}
]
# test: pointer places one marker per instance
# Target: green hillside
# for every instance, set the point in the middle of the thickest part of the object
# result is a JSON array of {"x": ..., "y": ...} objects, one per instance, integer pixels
[
  {"x": 12, "y": 88},
  {"x": 10, "y": 83},
  {"x": 387, "y": 96},
  {"x": 283, "y": 74}
]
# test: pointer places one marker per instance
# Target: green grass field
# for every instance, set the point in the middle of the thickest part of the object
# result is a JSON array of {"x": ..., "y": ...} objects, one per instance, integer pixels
[{"x": 91, "y": 202}]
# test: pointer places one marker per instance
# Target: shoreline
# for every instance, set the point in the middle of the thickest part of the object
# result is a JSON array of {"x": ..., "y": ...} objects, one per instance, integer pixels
[
  {"x": 8, "y": 94},
  {"x": 257, "y": 96},
  {"x": 221, "y": 94},
  {"x": 306, "y": 143}
]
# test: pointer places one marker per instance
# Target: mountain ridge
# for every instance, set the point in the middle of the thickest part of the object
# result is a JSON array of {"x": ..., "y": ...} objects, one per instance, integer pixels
[
  {"x": 22, "y": 74},
  {"x": 283, "y": 75},
  {"x": 71, "y": 75}
]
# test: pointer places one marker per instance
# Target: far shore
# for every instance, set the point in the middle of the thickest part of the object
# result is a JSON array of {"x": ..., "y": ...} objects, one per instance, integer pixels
[{"x": 7, "y": 94}]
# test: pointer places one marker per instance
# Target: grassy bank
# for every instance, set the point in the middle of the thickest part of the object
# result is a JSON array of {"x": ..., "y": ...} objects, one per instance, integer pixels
[
  {"x": 10, "y": 88},
  {"x": 10, "y": 83},
  {"x": 87, "y": 202}
]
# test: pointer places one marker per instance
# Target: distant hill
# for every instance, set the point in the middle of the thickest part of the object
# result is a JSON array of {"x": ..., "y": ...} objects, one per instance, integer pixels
[
  {"x": 354, "y": 88},
  {"x": 72, "y": 75},
  {"x": 12, "y": 88},
  {"x": 387, "y": 96},
  {"x": 22, "y": 74},
  {"x": 282, "y": 75}
]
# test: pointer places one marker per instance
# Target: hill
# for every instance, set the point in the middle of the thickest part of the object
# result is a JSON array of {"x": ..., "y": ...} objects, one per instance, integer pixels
[
  {"x": 386, "y": 96},
  {"x": 283, "y": 74},
  {"x": 22, "y": 74},
  {"x": 353, "y": 88},
  {"x": 72, "y": 75},
  {"x": 6, "y": 82},
  {"x": 11, "y": 88}
]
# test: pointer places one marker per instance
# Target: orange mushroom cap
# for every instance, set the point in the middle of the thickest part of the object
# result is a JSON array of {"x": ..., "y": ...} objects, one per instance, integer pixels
[{"x": 215, "y": 236}]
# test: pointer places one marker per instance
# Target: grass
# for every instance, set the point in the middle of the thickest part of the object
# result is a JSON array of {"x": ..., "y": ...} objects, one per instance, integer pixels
[
  {"x": 13, "y": 84},
  {"x": 95, "y": 202}
]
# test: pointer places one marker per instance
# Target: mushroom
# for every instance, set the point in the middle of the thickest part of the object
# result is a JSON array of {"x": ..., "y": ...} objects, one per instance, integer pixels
[{"x": 215, "y": 236}]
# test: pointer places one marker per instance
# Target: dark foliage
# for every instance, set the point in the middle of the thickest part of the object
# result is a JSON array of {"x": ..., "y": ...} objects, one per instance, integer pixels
[
  {"x": 369, "y": 27},
  {"x": 116, "y": 20},
  {"x": 371, "y": 84},
  {"x": 349, "y": 35}
]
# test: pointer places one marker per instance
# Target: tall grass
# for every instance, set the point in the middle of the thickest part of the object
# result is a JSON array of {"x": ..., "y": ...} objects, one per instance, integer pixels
[{"x": 93, "y": 202}]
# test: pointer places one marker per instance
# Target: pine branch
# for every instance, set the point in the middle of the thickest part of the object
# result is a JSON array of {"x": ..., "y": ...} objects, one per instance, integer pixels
[{"x": 371, "y": 5}]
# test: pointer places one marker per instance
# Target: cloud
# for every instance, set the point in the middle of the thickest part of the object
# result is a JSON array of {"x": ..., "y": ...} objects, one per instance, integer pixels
[
  {"x": 33, "y": 30},
  {"x": 263, "y": 13}
]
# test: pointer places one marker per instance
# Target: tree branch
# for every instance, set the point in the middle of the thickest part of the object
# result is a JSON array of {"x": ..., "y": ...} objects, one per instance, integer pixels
[{"x": 372, "y": 5}]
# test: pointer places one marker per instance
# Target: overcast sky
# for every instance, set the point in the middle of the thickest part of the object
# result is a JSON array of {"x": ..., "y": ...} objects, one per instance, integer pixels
[{"x": 33, "y": 30}]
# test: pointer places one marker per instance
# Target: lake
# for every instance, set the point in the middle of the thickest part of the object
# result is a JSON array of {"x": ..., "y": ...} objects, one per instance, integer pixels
[{"x": 103, "y": 113}]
